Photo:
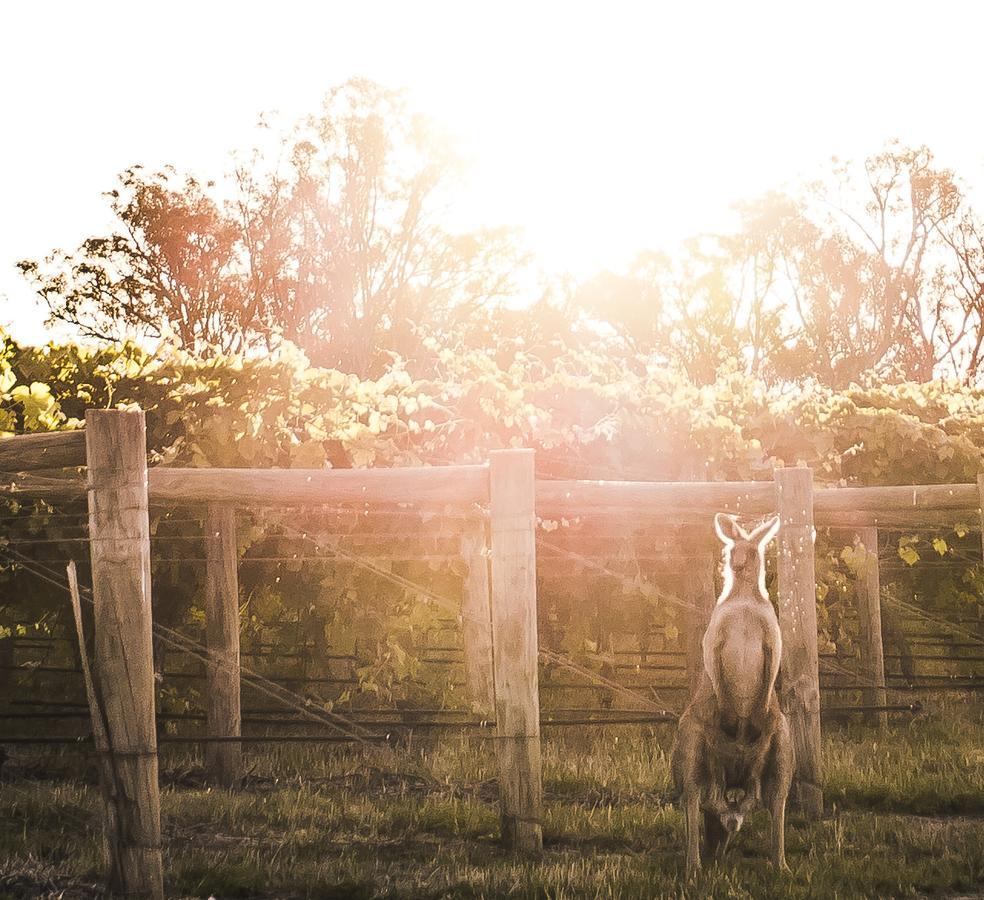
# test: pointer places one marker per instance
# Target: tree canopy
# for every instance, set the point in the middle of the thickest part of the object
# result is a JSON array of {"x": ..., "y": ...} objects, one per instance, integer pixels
[
  {"x": 875, "y": 269},
  {"x": 334, "y": 239},
  {"x": 331, "y": 240}
]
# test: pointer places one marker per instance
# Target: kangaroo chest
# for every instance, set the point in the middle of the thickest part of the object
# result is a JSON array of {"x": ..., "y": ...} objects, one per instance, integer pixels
[{"x": 742, "y": 647}]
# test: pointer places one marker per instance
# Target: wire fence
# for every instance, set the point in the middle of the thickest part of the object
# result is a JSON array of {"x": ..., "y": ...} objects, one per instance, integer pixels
[{"x": 351, "y": 727}]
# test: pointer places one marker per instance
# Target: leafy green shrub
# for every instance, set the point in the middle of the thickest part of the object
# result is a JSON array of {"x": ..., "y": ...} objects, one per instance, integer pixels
[{"x": 589, "y": 414}]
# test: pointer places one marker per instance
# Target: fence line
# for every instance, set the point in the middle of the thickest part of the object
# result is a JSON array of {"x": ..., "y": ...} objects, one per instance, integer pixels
[{"x": 515, "y": 497}]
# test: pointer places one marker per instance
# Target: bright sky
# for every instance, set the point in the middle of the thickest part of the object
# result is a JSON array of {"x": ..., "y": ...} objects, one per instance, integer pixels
[{"x": 600, "y": 128}]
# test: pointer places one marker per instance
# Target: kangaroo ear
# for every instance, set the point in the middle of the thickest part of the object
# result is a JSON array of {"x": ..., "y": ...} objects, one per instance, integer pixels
[
  {"x": 766, "y": 531},
  {"x": 727, "y": 529}
]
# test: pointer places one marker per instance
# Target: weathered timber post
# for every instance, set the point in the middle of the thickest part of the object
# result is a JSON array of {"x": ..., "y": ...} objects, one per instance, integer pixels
[
  {"x": 980, "y": 504},
  {"x": 6, "y": 663},
  {"x": 476, "y": 620},
  {"x": 223, "y": 716},
  {"x": 798, "y": 621},
  {"x": 514, "y": 645},
  {"x": 698, "y": 591},
  {"x": 123, "y": 676},
  {"x": 869, "y": 616}
]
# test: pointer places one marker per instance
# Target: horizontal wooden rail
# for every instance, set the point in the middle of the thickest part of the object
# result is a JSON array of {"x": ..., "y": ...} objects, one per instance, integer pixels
[
  {"x": 671, "y": 501},
  {"x": 35, "y": 487},
  {"x": 900, "y": 519},
  {"x": 694, "y": 502},
  {"x": 45, "y": 450},
  {"x": 675, "y": 503},
  {"x": 424, "y": 485},
  {"x": 897, "y": 497}
]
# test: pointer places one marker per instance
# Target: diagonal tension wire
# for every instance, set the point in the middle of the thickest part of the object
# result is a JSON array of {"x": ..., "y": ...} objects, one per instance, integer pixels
[
  {"x": 167, "y": 635},
  {"x": 935, "y": 620},
  {"x": 455, "y": 609},
  {"x": 288, "y": 698}
]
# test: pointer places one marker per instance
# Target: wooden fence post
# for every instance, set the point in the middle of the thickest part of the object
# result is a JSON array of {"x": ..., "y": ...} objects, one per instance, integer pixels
[
  {"x": 119, "y": 535},
  {"x": 514, "y": 644},
  {"x": 798, "y": 621},
  {"x": 6, "y": 664},
  {"x": 223, "y": 716},
  {"x": 869, "y": 615},
  {"x": 698, "y": 591},
  {"x": 980, "y": 504},
  {"x": 476, "y": 620}
]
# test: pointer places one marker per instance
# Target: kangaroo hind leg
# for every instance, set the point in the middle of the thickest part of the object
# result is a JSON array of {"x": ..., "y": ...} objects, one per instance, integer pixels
[{"x": 775, "y": 783}]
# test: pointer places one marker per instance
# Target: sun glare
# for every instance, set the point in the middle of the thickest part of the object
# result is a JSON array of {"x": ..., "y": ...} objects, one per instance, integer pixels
[
  {"x": 598, "y": 146},
  {"x": 596, "y": 133}
]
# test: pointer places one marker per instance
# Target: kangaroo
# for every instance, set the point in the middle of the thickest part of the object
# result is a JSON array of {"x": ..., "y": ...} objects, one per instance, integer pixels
[
  {"x": 742, "y": 646},
  {"x": 733, "y": 744}
]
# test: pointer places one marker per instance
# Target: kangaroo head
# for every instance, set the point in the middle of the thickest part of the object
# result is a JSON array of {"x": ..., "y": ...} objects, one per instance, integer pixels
[
  {"x": 744, "y": 552},
  {"x": 733, "y": 817}
]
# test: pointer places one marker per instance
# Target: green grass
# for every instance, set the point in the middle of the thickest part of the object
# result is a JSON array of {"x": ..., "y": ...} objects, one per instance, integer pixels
[{"x": 904, "y": 820}]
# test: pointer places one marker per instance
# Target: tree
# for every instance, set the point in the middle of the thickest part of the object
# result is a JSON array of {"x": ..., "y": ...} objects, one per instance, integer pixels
[
  {"x": 869, "y": 275},
  {"x": 174, "y": 265},
  {"x": 334, "y": 242},
  {"x": 881, "y": 274},
  {"x": 689, "y": 310},
  {"x": 869, "y": 262},
  {"x": 965, "y": 281}
]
